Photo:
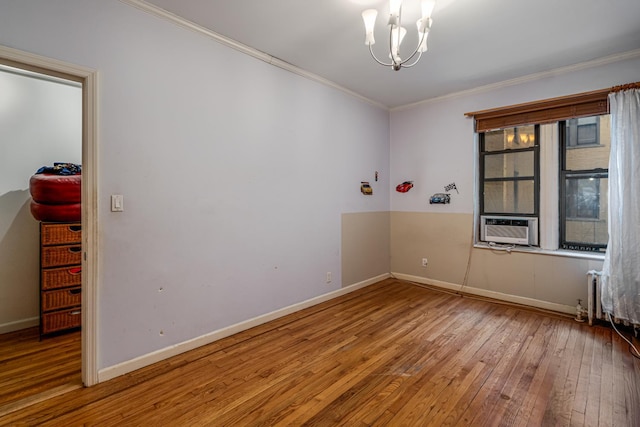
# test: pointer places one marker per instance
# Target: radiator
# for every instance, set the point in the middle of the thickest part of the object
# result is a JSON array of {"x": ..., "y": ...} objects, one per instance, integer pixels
[{"x": 594, "y": 303}]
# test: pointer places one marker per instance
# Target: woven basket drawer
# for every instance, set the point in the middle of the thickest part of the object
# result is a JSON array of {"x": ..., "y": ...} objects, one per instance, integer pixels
[
  {"x": 62, "y": 298},
  {"x": 60, "y": 234},
  {"x": 60, "y": 320},
  {"x": 61, "y": 255},
  {"x": 61, "y": 277}
]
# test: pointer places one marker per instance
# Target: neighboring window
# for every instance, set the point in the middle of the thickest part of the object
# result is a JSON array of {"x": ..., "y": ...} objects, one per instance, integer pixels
[
  {"x": 584, "y": 183},
  {"x": 509, "y": 171},
  {"x": 584, "y": 131}
]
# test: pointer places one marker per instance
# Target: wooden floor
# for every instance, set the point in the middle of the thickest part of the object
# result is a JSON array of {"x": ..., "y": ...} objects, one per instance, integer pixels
[
  {"x": 32, "y": 370},
  {"x": 392, "y": 354}
]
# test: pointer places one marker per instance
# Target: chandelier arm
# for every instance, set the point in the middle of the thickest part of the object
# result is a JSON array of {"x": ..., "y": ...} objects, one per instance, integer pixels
[
  {"x": 410, "y": 57},
  {"x": 414, "y": 62},
  {"x": 393, "y": 63},
  {"x": 414, "y": 53},
  {"x": 376, "y": 59}
]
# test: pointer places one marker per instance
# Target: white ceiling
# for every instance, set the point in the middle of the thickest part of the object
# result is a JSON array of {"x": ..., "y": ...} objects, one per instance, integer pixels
[{"x": 472, "y": 42}]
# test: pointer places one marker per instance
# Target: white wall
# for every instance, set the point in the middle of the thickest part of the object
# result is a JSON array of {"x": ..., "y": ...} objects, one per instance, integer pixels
[
  {"x": 433, "y": 144},
  {"x": 234, "y": 173},
  {"x": 40, "y": 123}
]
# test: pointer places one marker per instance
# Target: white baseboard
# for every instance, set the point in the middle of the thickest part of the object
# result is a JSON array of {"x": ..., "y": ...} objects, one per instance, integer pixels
[
  {"x": 19, "y": 324},
  {"x": 110, "y": 372},
  {"x": 531, "y": 302}
]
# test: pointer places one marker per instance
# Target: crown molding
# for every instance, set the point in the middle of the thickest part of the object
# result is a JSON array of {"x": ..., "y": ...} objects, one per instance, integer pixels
[
  {"x": 247, "y": 50},
  {"x": 632, "y": 54}
]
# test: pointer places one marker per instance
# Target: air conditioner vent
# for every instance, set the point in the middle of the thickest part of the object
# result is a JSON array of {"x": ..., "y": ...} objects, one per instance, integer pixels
[{"x": 504, "y": 229}]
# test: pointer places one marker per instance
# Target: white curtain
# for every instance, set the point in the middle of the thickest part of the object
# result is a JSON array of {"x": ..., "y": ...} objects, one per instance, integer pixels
[{"x": 621, "y": 271}]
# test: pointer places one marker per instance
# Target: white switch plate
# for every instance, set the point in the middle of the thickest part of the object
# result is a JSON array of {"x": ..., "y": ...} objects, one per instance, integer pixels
[{"x": 117, "y": 203}]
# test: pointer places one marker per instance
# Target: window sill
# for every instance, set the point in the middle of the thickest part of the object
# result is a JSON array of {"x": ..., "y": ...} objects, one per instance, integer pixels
[
  {"x": 539, "y": 251},
  {"x": 590, "y": 145}
]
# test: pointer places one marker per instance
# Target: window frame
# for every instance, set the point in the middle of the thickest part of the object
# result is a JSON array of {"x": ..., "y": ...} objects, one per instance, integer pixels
[
  {"x": 564, "y": 174},
  {"x": 483, "y": 153}
]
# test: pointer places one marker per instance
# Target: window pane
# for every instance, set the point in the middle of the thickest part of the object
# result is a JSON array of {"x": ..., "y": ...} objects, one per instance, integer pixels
[
  {"x": 583, "y": 198},
  {"x": 587, "y": 134},
  {"x": 515, "y": 197},
  {"x": 586, "y": 210},
  {"x": 588, "y": 141},
  {"x": 587, "y": 232},
  {"x": 510, "y": 138},
  {"x": 508, "y": 165}
]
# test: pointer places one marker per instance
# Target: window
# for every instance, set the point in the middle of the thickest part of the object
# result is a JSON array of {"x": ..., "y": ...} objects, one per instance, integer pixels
[
  {"x": 509, "y": 164},
  {"x": 548, "y": 160},
  {"x": 583, "y": 131},
  {"x": 584, "y": 183}
]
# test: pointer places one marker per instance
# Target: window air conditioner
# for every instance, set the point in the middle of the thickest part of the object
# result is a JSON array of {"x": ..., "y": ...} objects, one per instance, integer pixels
[{"x": 509, "y": 229}]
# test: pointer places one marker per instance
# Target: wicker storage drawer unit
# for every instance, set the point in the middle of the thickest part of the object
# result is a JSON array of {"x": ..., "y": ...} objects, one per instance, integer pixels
[
  {"x": 62, "y": 298},
  {"x": 60, "y": 277},
  {"x": 53, "y": 256},
  {"x": 62, "y": 320},
  {"x": 54, "y": 278}
]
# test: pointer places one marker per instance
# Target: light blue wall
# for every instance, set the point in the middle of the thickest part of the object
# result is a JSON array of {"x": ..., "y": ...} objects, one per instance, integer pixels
[{"x": 234, "y": 173}]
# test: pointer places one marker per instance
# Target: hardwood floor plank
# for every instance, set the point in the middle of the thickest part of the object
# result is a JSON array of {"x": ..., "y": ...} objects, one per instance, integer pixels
[
  {"x": 592, "y": 407},
  {"x": 632, "y": 389},
  {"x": 518, "y": 395},
  {"x": 398, "y": 369},
  {"x": 556, "y": 399},
  {"x": 571, "y": 384},
  {"x": 578, "y": 412},
  {"x": 30, "y": 367},
  {"x": 482, "y": 409},
  {"x": 445, "y": 368},
  {"x": 618, "y": 381},
  {"x": 542, "y": 394},
  {"x": 605, "y": 404},
  {"x": 390, "y": 354},
  {"x": 396, "y": 381},
  {"x": 537, "y": 372}
]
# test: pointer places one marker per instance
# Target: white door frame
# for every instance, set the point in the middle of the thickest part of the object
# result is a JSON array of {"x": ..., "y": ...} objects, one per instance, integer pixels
[{"x": 90, "y": 261}]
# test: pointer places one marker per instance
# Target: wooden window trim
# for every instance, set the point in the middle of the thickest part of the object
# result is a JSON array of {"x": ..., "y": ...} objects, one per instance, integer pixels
[
  {"x": 551, "y": 110},
  {"x": 546, "y": 111}
]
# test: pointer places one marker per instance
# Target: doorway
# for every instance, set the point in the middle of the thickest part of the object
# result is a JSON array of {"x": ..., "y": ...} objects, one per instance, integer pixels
[{"x": 87, "y": 80}]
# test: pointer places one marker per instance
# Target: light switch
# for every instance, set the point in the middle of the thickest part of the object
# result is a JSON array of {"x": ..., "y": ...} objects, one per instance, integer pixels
[{"x": 117, "y": 203}]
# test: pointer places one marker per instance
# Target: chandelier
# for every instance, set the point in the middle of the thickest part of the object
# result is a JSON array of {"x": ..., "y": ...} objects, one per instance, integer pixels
[{"x": 397, "y": 33}]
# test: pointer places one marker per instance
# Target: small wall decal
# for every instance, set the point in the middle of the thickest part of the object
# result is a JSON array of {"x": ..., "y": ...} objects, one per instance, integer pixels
[
  {"x": 440, "y": 198},
  {"x": 404, "y": 187},
  {"x": 365, "y": 188},
  {"x": 376, "y": 176},
  {"x": 450, "y": 187}
]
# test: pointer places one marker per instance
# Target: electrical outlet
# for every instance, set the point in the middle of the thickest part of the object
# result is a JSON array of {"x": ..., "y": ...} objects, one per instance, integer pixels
[
  {"x": 328, "y": 277},
  {"x": 424, "y": 262}
]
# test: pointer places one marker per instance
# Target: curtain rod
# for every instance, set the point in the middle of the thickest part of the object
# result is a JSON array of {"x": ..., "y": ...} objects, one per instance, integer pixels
[{"x": 627, "y": 86}]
